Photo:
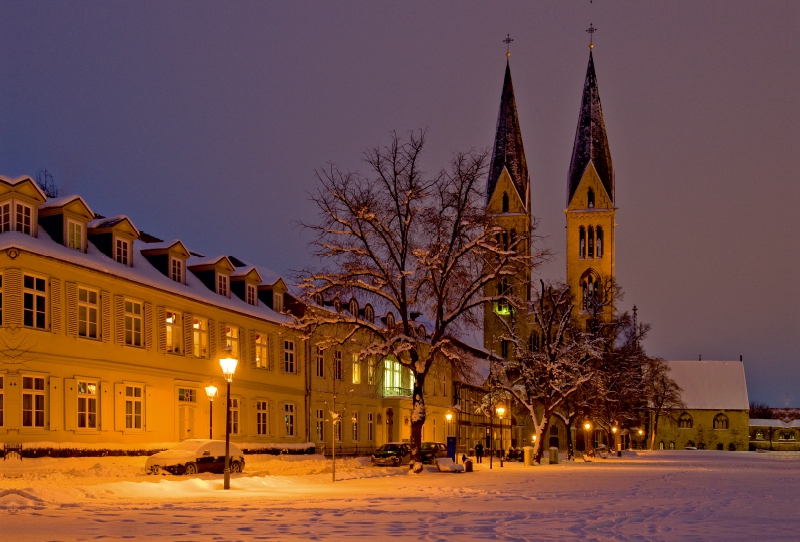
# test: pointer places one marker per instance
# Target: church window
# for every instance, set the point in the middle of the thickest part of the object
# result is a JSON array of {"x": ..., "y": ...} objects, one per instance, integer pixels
[
  {"x": 591, "y": 198},
  {"x": 582, "y": 238},
  {"x": 590, "y": 235},
  {"x": 504, "y": 349},
  {"x": 589, "y": 289},
  {"x": 503, "y": 289},
  {"x": 671, "y": 445},
  {"x": 686, "y": 422},
  {"x": 599, "y": 247},
  {"x": 505, "y": 202},
  {"x": 369, "y": 313},
  {"x": 513, "y": 238},
  {"x": 505, "y": 240},
  {"x": 720, "y": 421},
  {"x": 533, "y": 342},
  {"x": 390, "y": 321},
  {"x": 354, "y": 307}
]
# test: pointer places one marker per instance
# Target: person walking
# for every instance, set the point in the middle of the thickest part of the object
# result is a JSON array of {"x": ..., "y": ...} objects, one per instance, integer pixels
[{"x": 479, "y": 452}]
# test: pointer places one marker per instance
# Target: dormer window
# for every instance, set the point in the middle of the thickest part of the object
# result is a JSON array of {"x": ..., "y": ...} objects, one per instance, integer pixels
[
  {"x": 354, "y": 307},
  {"x": 122, "y": 251},
  {"x": 277, "y": 302},
  {"x": 251, "y": 295},
  {"x": 318, "y": 299},
  {"x": 222, "y": 284},
  {"x": 5, "y": 217},
  {"x": 176, "y": 270},
  {"x": 369, "y": 313},
  {"x": 23, "y": 218},
  {"x": 390, "y": 321},
  {"x": 337, "y": 305},
  {"x": 75, "y": 235}
]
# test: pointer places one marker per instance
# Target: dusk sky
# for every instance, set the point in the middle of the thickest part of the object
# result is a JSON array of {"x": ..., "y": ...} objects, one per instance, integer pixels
[{"x": 206, "y": 121}]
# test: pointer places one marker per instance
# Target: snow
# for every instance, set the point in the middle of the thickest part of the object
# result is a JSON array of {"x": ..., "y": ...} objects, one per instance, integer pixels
[
  {"x": 110, "y": 221},
  {"x": 666, "y": 495},
  {"x": 63, "y": 200},
  {"x": 714, "y": 385}
]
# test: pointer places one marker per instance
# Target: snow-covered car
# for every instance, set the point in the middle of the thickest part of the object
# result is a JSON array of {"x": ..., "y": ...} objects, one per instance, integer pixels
[
  {"x": 392, "y": 454},
  {"x": 430, "y": 451},
  {"x": 193, "y": 456}
]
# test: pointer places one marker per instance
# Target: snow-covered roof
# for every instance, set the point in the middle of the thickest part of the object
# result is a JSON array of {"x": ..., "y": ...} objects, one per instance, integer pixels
[
  {"x": 110, "y": 221},
  {"x": 194, "y": 261},
  {"x": 711, "y": 385},
  {"x": 142, "y": 272},
  {"x": 165, "y": 245},
  {"x": 760, "y": 422},
  {"x": 17, "y": 180},
  {"x": 54, "y": 203}
]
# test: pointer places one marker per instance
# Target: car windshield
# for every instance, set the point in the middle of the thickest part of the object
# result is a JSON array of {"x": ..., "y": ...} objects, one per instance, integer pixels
[
  {"x": 189, "y": 445},
  {"x": 427, "y": 445},
  {"x": 389, "y": 448}
]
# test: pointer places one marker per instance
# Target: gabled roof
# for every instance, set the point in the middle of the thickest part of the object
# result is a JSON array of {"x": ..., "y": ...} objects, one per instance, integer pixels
[
  {"x": 60, "y": 203},
  {"x": 213, "y": 262},
  {"x": 248, "y": 273},
  {"x": 711, "y": 385},
  {"x": 591, "y": 142},
  {"x": 508, "y": 152},
  {"x": 175, "y": 245},
  {"x": 26, "y": 181},
  {"x": 111, "y": 222}
]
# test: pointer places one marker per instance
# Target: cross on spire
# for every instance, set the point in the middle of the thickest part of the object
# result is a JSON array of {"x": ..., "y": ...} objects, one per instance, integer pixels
[
  {"x": 508, "y": 41},
  {"x": 591, "y": 30}
]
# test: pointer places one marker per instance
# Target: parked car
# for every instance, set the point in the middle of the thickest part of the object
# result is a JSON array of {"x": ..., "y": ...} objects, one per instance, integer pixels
[
  {"x": 393, "y": 454},
  {"x": 429, "y": 451},
  {"x": 193, "y": 456}
]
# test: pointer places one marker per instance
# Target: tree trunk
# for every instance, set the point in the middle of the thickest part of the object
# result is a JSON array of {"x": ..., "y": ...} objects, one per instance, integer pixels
[
  {"x": 418, "y": 416},
  {"x": 570, "y": 450},
  {"x": 542, "y": 435},
  {"x": 654, "y": 432}
]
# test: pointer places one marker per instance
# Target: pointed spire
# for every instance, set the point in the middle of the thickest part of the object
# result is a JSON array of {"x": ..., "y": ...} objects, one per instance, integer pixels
[
  {"x": 508, "y": 152},
  {"x": 591, "y": 143}
]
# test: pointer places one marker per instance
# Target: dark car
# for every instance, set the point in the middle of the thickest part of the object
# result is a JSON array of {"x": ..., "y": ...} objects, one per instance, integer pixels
[
  {"x": 431, "y": 450},
  {"x": 194, "y": 456},
  {"x": 392, "y": 454}
]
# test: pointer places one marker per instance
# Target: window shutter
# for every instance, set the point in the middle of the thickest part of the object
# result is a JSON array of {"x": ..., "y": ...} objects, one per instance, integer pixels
[
  {"x": 70, "y": 404},
  {"x": 161, "y": 325},
  {"x": 119, "y": 407},
  {"x": 251, "y": 348},
  {"x": 299, "y": 356},
  {"x": 105, "y": 316},
  {"x": 279, "y": 354},
  {"x": 212, "y": 340},
  {"x": 148, "y": 325},
  {"x": 72, "y": 308},
  {"x": 119, "y": 324},
  {"x": 271, "y": 353},
  {"x": 149, "y": 409},
  {"x": 243, "y": 418},
  {"x": 106, "y": 401},
  {"x": 12, "y": 290},
  {"x": 188, "y": 335},
  {"x": 253, "y": 418},
  {"x": 223, "y": 338},
  {"x": 56, "y": 420},
  {"x": 55, "y": 305}
]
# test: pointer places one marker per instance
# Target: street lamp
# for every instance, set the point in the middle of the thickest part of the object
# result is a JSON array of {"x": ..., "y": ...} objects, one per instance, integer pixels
[
  {"x": 211, "y": 391},
  {"x": 448, "y": 430},
  {"x": 616, "y": 441},
  {"x": 500, "y": 412},
  {"x": 228, "y": 364},
  {"x": 587, "y": 427}
]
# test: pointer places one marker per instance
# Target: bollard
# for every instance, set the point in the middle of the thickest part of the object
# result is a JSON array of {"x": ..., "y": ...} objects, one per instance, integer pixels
[
  {"x": 553, "y": 455},
  {"x": 528, "y": 457}
]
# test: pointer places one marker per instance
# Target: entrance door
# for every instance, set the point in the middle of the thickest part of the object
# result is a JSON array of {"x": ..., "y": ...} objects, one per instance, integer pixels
[{"x": 186, "y": 422}]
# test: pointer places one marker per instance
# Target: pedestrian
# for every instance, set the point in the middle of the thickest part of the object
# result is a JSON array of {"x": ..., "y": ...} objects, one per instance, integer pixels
[{"x": 479, "y": 452}]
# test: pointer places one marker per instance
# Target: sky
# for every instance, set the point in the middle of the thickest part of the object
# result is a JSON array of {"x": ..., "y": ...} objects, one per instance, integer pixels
[{"x": 205, "y": 121}]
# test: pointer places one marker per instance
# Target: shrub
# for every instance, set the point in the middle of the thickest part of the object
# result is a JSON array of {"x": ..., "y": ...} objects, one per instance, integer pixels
[
  {"x": 280, "y": 451},
  {"x": 720, "y": 446},
  {"x": 732, "y": 447}
]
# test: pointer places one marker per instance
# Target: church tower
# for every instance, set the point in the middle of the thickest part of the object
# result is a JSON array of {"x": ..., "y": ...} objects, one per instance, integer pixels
[
  {"x": 590, "y": 202},
  {"x": 508, "y": 199}
]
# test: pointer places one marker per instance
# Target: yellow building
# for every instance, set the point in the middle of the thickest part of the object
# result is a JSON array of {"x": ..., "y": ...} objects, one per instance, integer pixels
[{"x": 109, "y": 335}]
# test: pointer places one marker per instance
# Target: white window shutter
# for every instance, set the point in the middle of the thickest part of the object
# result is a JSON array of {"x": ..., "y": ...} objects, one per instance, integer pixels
[
  {"x": 105, "y": 316},
  {"x": 148, "y": 325},
  {"x": 72, "y": 308},
  {"x": 55, "y": 305},
  {"x": 56, "y": 419},
  {"x": 70, "y": 404},
  {"x": 12, "y": 293},
  {"x": 251, "y": 347},
  {"x": 212, "y": 339},
  {"x": 188, "y": 335},
  {"x": 119, "y": 407},
  {"x": 119, "y": 320},
  {"x": 149, "y": 409},
  {"x": 106, "y": 403},
  {"x": 161, "y": 326}
]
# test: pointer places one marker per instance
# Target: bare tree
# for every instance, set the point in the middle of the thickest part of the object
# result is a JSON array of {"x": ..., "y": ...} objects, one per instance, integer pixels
[
  {"x": 663, "y": 395},
  {"x": 415, "y": 246},
  {"x": 46, "y": 182}
]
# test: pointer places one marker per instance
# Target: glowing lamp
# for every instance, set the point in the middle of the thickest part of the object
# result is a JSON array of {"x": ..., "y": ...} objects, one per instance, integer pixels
[
  {"x": 211, "y": 391},
  {"x": 500, "y": 411},
  {"x": 228, "y": 365},
  {"x": 587, "y": 426},
  {"x": 534, "y": 438},
  {"x": 614, "y": 429},
  {"x": 448, "y": 417},
  {"x": 641, "y": 432}
]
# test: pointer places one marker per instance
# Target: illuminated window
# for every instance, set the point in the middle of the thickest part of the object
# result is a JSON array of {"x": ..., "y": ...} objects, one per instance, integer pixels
[
  {"x": 261, "y": 351},
  {"x": 356, "y": 369},
  {"x": 200, "y": 338},
  {"x": 187, "y": 395},
  {"x": 133, "y": 323},
  {"x": 75, "y": 235},
  {"x": 87, "y": 313},
  {"x": 133, "y": 407},
  {"x": 174, "y": 332},
  {"x": 232, "y": 340},
  {"x": 288, "y": 356}
]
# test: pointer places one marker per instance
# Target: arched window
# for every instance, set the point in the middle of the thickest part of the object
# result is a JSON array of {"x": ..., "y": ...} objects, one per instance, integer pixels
[
  {"x": 599, "y": 234},
  {"x": 390, "y": 320},
  {"x": 671, "y": 445},
  {"x": 590, "y": 235},
  {"x": 685, "y": 421},
  {"x": 318, "y": 299},
  {"x": 354, "y": 307},
  {"x": 533, "y": 342},
  {"x": 421, "y": 331},
  {"x": 720, "y": 421},
  {"x": 589, "y": 291},
  {"x": 505, "y": 202},
  {"x": 369, "y": 313},
  {"x": 661, "y": 445},
  {"x": 582, "y": 238},
  {"x": 504, "y": 349},
  {"x": 337, "y": 305},
  {"x": 554, "y": 430},
  {"x": 505, "y": 240},
  {"x": 591, "y": 198},
  {"x": 503, "y": 289}
]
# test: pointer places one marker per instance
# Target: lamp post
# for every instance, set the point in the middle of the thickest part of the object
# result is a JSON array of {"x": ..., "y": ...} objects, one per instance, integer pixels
[
  {"x": 500, "y": 412},
  {"x": 211, "y": 391},
  {"x": 491, "y": 437},
  {"x": 616, "y": 441},
  {"x": 449, "y": 418},
  {"x": 228, "y": 365},
  {"x": 587, "y": 427}
]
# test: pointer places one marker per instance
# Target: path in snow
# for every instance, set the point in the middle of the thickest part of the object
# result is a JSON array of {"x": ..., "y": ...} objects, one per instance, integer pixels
[{"x": 661, "y": 496}]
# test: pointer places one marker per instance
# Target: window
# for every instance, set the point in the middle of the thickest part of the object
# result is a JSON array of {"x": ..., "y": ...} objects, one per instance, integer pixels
[
  {"x": 369, "y": 314},
  {"x": 599, "y": 247},
  {"x": 337, "y": 365},
  {"x": 261, "y": 351},
  {"x": 590, "y": 235},
  {"x": 318, "y": 299},
  {"x": 589, "y": 289},
  {"x": 232, "y": 340},
  {"x": 370, "y": 426},
  {"x": 1, "y": 301},
  {"x": 32, "y": 401},
  {"x": 661, "y": 445},
  {"x": 288, "y": 356},
  {"x": 176, "y": 270},
  {"x": 354, "y": 308},
  {"x": 505, "y": 202},
  {"x": 320, "y": 362},
  {"x": 222, "y": 284},
  {"x": 504, "y": 349},
  {"x": 390, "y": 320},
  {"x": 174, "y": 331},
  {"x": 288, "y": 419},
  {"x": 35, "y": 302},
  {"x": 356, "y": 369},
  {"x": 759, "y": 435},
  {"x": 187, "y": 395},
  {"x": 370, "y": 371},
  {"x": 2, "y": 397},
  {"x": 5, "y": 217},
  {"x": 200, "y": 342},
  {"x": 786, "y": 435},
  {"x": 122, "y": 251},
  {"x": 553, "y": 430},
  {"x": 75, "y": 235},
  {"x": 582, "y": 241},
  {"x": 355, "y": 426},
  {"x": 261, "y": 417},
  {"x": 87, "y": 313},
  {"x": 503, "y": 289},
  {"x": 133, "y": 323},
  {"x": 234, "y": 416},
  {"x": 720, "y": 421},
  {"x": 277, "y": 302},
  {"x": 590, "y": 198},
  {"x": 320, "y": 425},
  {"x": 23, "y": 218},
  {"x": 87, "y": 405},
  {"x": 685, "y": 421},
  {"x": 250, "y": 295},
  {"x": 533, "y": 342},
  {"x": 133, "y": 407}
]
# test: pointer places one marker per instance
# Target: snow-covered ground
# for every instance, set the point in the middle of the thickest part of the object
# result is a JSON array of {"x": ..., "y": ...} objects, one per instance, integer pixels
[{"x": 698, "y": 495}]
